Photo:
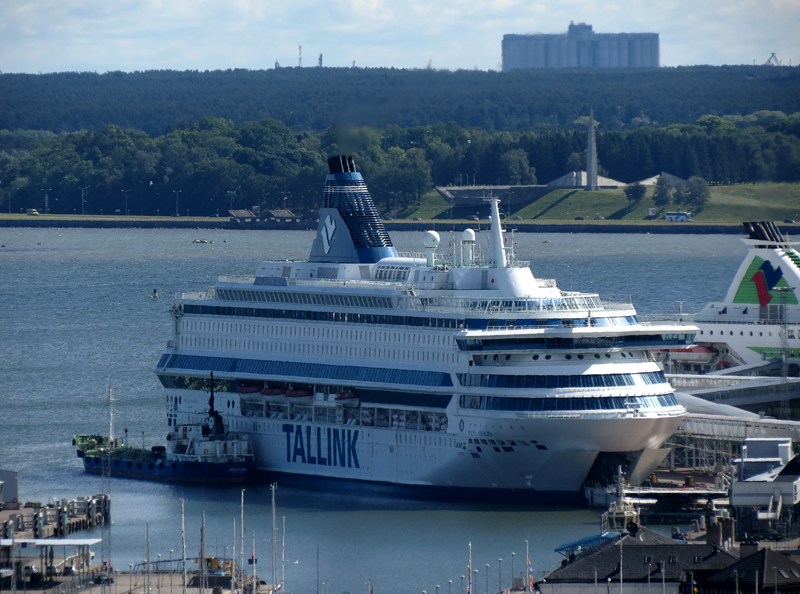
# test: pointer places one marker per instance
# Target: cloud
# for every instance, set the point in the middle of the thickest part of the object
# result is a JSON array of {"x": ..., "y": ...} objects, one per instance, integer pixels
[{"x": 51, "y": 35}]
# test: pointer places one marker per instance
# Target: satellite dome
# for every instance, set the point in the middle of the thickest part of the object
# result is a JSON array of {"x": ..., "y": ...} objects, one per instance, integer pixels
[
  {"x": 468, "y": 235},
  {"x": 430, "y": 239}
]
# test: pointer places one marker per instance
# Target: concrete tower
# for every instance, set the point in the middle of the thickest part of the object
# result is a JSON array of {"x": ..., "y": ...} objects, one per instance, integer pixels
[{"x": 591, "y": 156}]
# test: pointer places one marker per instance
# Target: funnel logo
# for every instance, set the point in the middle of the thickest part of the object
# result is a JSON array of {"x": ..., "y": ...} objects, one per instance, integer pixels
[
  {"x": 765, "y": 280},
  {"x": 327, "y": 233}
]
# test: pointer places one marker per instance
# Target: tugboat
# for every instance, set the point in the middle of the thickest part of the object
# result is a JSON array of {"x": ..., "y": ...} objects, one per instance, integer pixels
[{"x": 194, "y": 453}]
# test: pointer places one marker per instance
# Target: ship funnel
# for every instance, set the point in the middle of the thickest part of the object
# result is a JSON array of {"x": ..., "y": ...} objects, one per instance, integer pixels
[
  {"x": 498, "y": 249},
  {"x": 350, "y": 230}
]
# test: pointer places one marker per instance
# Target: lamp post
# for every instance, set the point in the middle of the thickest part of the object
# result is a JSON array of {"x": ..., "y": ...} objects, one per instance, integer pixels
[
  {"x": 487, "y": 578},
  {"x": 512, "y": 570},
  {"x": 130, "y": 577},
  {"x": 449, "y": 583},
  {"x": 499, "y": 575},
  {"x": 176, "y": 192},
  {"x": 158, "y": 569},
  {"x": 126, "y": 201},
  {"x": 170, "y": 571},
  {"x": 437, "y": 588},
  {"x": 462, "y": 585}
]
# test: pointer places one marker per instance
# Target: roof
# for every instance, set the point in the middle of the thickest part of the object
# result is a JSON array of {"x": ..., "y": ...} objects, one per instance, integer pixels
[
  {"x": 241, "y": 214},
  {"x": 773, "y": 569},
  {"x": 49, "y": 542},
  {"x": 281, "y": 214},
  {"x": 640, "y": 559}
]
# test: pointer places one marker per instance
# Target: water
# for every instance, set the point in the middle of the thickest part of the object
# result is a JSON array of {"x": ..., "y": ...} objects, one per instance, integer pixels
[{"x": 77, "y": 316}]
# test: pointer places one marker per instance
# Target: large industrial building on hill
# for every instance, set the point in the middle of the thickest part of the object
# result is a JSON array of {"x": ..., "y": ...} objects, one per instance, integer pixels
[{"x": 580, "y": 47}]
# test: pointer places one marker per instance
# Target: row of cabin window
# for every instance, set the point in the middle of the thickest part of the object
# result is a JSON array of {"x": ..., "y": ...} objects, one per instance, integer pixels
[
  {"x": 609, "y": 380},
  {"x": 394, "y": 320},
  {"x": 305, "y": 331},
  {"x": 320, "y": 349},
  {"x": 565, "y": 404},
  {"x": 309, "y": 371},
  {"x": 568, "y": 342}
]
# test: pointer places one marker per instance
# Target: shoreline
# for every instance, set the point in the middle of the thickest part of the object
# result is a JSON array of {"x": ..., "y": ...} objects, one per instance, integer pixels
[{"x": 111, "y": 222}]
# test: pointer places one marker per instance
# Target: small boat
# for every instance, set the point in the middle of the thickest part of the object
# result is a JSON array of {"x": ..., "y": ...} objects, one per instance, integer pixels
[
  {"x": 201, "y": 453},
  {"x": 299, "y": 396},
  {"x": 274, "y": 395},
  {"x": 347, "y": 398}
]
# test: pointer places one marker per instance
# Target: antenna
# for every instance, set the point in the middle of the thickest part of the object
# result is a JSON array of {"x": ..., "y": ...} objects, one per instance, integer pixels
[
  {"x": 320, "y": 61},
  {"x": 300, "y": 53}
]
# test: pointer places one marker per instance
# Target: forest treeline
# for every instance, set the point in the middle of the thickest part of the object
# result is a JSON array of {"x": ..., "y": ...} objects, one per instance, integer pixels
[
  {"x": 210, "y": 165},
  {"x": 313, "y": 99}
]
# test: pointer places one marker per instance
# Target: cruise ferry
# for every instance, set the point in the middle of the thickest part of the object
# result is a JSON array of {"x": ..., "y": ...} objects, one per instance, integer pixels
[
  {"x": 759, "y": 317},
  {"x": 447, "y": 375}
]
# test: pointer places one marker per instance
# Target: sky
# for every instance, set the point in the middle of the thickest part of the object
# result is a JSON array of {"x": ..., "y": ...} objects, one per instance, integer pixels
[{"x": 130, "y": 35}]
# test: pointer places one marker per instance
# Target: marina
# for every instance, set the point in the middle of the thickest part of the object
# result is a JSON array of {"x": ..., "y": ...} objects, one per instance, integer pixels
[{"x": 428, "y": 536}]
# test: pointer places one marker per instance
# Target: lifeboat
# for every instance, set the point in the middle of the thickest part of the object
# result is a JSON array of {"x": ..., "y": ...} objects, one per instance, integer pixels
[
  {"x": 347, "y": 398},
  {"x": 300, "y": 396},
  {"x": 274, "y": 395},
  {"x": 249, "y": 393}
]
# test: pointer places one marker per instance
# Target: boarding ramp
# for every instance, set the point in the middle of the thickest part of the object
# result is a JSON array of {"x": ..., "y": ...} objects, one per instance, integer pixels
[
  {"x": 762, "y": 367},
  {"x": 738, "y": 390}
]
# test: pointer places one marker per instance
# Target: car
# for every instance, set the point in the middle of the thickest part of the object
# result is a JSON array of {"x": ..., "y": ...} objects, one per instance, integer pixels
[
  {"x": 487, "y": 218},
  {"x": 416, "y": 219},
  {"x": 473, "y": 218},
  {"x": 52, "y": 571},
  {"x": 69, "y": 570},
  {"x": 599, "y": 218},
  {"x": 517, "y": 218},
  {"x": 788, "y": 221},
  {"x": 579, "y": 218},
  {"x": 29, "y": 570}
]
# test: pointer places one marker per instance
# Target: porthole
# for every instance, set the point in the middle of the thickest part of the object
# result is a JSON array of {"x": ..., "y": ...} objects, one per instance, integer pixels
[
  {"x": 580, "y": 356},
  {"x": 751, "y": 332},
  {"x": 770, "y": 333},
  {"x": 547, "y": 357},
  {"x": 630, "y": 354},
  {"x": 761, "y": 334},
  {"x": 596, "y": 356},
  {"x": 701, "y": 332},
  {"x": 623, "y": 355},
  {"x": 508, "y": 357},
  {"x": 741, "y": 333},
  {"x": 711, "y": 333},
  {"x": 495, "y": 357},
  {"x": 568, "y": 357},
  {"x": 608, "y": 355},
  {"x": 535, "y": 357},
  {"x": 731, "y": 332}
]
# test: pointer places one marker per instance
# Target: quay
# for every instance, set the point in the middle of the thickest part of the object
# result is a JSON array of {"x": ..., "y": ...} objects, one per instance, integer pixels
[{"x": 59, "y": 518}]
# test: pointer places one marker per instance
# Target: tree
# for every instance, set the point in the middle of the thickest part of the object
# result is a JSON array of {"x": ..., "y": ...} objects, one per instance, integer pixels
[
  {"x": 663, "y": 192},
  {"x": 698, "y": 191},
  {"x": 515, "y": 169},
  {"x": 682, "y": 196},
  {"x": 635, "y": 192}
]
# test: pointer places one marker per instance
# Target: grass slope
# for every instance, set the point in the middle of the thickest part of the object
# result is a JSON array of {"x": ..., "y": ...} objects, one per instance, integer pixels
[{"x": 728, "y": 204}]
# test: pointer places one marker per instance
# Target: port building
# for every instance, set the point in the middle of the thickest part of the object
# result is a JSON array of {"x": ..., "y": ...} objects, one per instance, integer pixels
[{"x": 581, "y": 47}]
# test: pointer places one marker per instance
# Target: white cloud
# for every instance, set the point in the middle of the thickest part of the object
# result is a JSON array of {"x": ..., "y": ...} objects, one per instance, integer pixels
[{"x": 60, "y": 35}]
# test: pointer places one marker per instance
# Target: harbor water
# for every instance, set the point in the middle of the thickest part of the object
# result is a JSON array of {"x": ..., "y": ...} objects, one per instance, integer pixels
[{"x": 78, "y": 316}]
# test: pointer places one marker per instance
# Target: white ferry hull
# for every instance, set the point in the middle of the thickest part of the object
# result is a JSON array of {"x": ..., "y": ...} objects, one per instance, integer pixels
[{"x": 553, "y": 461}]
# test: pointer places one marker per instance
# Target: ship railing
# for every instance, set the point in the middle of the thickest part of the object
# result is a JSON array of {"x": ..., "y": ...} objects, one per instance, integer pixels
[
  {"x": 246, "y": 279},
  {"x": 677, "y": 318},
  {"x": 503, "y": 306},
  {"x": 196, "y": 295},
  {"x": 617, "y": 306},
  {"x": 348, "y": 283}
]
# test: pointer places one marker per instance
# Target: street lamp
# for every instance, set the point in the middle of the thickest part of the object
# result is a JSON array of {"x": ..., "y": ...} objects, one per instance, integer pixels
[
  {"x": 158, "y": 568},
  {"x": 512, "y": 570},
  {"x": 462, "y": 585},
  {"x": 487, "y": 578},
  {"x": 449, "y": 583},
  {"x": 499, "y": 575},
  {"x": 126, "y": 201},
  {"x": 170, "y": 571},
  {"x": 176, "y": 192}
]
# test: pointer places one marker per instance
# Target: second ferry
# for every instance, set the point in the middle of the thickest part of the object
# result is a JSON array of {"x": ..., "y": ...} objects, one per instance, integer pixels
[{"x": 450, "y": 376}]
